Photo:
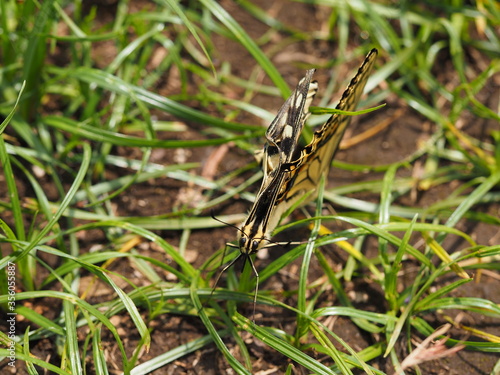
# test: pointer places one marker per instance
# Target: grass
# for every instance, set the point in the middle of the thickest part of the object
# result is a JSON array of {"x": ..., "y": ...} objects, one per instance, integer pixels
[{"x": 66, "y": 115}]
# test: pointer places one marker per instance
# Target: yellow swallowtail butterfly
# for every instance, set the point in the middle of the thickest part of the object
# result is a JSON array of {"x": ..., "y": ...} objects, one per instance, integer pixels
[{"x": 286, "y": 180}]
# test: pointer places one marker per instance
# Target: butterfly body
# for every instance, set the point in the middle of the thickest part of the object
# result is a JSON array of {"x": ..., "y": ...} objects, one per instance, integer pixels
[{"x": 282, "y": 139}]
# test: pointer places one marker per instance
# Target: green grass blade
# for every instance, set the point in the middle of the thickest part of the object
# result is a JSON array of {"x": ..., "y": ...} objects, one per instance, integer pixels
[
  {"x": 237, "y": 366},
  {"x": 174, "y": 354},
  {"x": 186, "y": 21},
  {"x": 64, "y": 204},
  {"x": 90, "y": 132},
  {"x": 71, "y": 339},
  {"x": 115, "y": 84},
  {"x": 281, "y": 346},
  {"x": 249, "y": 44}
]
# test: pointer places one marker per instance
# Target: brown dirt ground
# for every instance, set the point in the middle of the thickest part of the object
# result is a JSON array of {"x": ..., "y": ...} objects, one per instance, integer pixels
[{"x": 164, "y": 195}]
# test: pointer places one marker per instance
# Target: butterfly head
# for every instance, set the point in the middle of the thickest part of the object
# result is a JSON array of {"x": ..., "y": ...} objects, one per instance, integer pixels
[{"x": 251, "y": 244}]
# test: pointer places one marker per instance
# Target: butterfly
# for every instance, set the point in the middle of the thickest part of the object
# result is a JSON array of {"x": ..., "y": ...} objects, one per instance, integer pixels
[{"x": 287, "y": 177}]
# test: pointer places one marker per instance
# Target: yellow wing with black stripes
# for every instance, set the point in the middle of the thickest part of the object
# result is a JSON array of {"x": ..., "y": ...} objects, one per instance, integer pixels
[{"x": 315, "y": 159}]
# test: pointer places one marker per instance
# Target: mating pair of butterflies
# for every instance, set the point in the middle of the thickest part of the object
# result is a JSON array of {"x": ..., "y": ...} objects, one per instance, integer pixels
[{"x": 287, "y": 177}]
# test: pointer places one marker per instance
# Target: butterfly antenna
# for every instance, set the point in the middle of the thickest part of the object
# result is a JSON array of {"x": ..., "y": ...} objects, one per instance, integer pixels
[{"x": 223, "y": 222}]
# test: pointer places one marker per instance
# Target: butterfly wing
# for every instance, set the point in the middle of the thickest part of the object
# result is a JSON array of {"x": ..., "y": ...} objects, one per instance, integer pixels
[
  {"x": 283, "y": 133},
  {"x": 282, "y": 138},
  {"x": 286, "y": 181},
  {"x": 316, "y": 157}
]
